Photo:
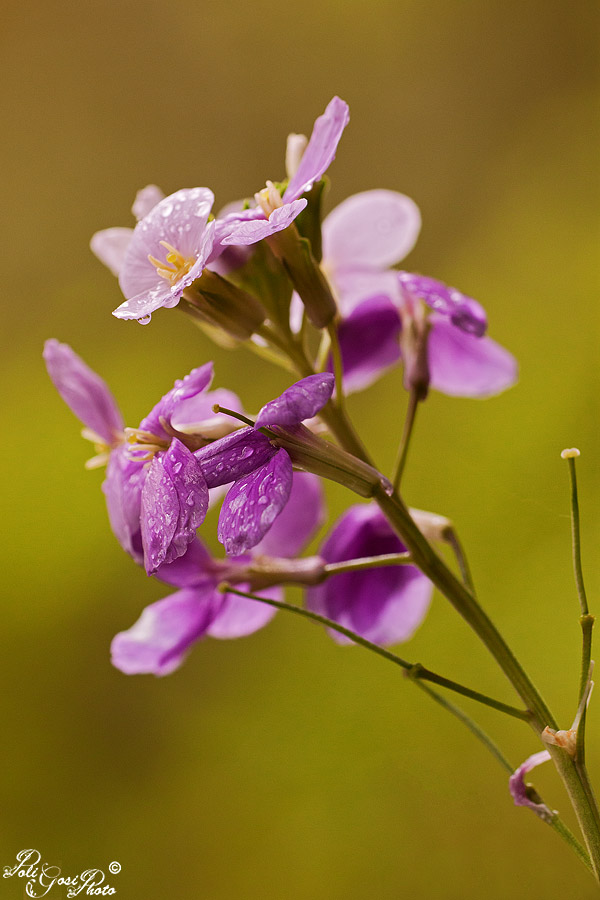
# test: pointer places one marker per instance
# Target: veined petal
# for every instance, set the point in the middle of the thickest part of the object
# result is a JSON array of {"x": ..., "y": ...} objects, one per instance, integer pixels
[
  {"x": 239, "y": 616},
  {"x": 184, "y": 389},
  {"x": 299, "y": 402},
  {"x": 385, "y": 605},
  {"x": 145, "y": 200},
  {"x": 110, "y": 246},
  {"x": 85, "y": 393},
  {"x": 521, "y": 792},
  {"x": 464, "y": 312},
  {"x": 320, "y": 151},
  {"x": 123, "y": 491},
  {"x": 302, "y": 515},
  {"x": 254, "y": 227},
  {"x": 174, "y": 504},
  {"x": 234, "y": 456},
  {"x": 463, "y": 365},
  {"x": 374, "y": 229},
  {"x": 181, "y": 221},
  {"x": 160, "y": 639},
  {"x": 253, "y": 503},
  {"x": 369, "y": 341}
]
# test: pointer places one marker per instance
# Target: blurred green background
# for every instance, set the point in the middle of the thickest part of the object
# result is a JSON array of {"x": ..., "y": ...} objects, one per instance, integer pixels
[{"x": 283, "y": 767}]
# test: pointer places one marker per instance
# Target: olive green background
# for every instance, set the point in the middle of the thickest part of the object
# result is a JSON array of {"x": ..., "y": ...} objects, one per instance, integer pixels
[{"x": 283, "y": 767}]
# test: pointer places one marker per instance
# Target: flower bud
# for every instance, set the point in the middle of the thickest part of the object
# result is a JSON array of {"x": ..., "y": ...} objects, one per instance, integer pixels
[{"x": 224, "y": 305}]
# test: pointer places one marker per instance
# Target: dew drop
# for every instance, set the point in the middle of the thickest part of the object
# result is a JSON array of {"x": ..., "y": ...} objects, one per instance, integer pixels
[{"x": 145, "y": 320}]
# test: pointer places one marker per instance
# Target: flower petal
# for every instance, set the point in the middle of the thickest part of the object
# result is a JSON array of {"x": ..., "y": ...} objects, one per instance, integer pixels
[
  {"x": 184, "y": 389},
  {"x": 234, "y": 456},
  {"x": 174, "y": 504},
  {"x": 519, "y": 790},
  {"x": 463, "y": 365},
  {"x": 464, "y": 312},
  {"x": 110, "y": 246},
  {"x": 196, "y": 416},
  {"x": 300, "y": 518},
  {"x": 123, "y": 491},
  {"x": 253, "y": 503},
  {"x": 320, "y": 151},
  {"x": 160, "y": 639},
  {"x": 145, "y": 200},
  {"x": 369, "y": 341},
  {"x": 180, "y": 220},
  {"x": 253, "y": 227},
  {"x": 374, "y": 229},
  {"x": 84, "y": 392},
  {"x": 385, "y": 605},
  {"x": 299, "y": 402},
  {"x": 191, "y": 569},
  {"x": 239, "y": 616}
]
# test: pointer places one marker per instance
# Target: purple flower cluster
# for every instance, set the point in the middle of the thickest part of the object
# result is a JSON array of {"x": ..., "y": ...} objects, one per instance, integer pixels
[{"x": 162, "y": 475}]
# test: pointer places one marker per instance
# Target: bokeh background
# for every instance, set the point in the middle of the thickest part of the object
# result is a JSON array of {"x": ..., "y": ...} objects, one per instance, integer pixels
[{"x": 283, "y": 767}]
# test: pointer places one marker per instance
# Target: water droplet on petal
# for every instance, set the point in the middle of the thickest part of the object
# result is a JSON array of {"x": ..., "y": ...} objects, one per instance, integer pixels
[{"x": 145, "y": 320}]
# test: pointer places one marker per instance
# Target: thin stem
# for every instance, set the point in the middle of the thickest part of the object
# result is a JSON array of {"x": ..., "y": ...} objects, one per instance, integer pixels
[
  {"x": 575, "y": 532},
  {"x": 465, "y": 572},
  {"x": 323, "y": 351},
  {"x": 411, "y": 414},
  {"x": 338, "y": 366},
  {"x": 269, "y": 355},
  {"x": 468, "y": 721},
  {"x": 368, "y": 562},
  {"x": 416, "y": 670},
  {"x": 235, "y": 415}
]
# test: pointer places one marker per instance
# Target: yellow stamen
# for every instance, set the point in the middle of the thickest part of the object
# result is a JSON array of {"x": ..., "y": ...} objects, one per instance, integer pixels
[{"x": 179, "y": 264}]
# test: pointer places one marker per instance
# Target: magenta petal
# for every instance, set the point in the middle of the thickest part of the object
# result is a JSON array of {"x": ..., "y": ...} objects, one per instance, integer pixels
[
  {"x": 191, "y": 569},
  {"x": 253, "y": 503},
  {"x": 180, "y": 220},
  {"x": 160, "y": 639},
  {"x": 110, "y": 246},
  {"x": 123, "y": 491},
  {"x": 239, "y": 616},
  {"x": 301, "y": 401},
  {"x": 242, "y": 232},
  {"x": 320, "y": 151},
  {"x": 174, "y": 504},
  {"x": 184, "y": 389},
  {"x": 518, "y": 788},
  {"x": 374, "y": 229},
  {"x": 195, "y": 415},
  {"x": 302, "y": 515},
  {"x": 84, "y": 392},
  {"x": 369, "y": 341},
  {"x": 234, "y": 456},
  {"x": 464, "y": 312},
  {"x": 385, "y": 605},
  {"x": 463, "y": 365}
]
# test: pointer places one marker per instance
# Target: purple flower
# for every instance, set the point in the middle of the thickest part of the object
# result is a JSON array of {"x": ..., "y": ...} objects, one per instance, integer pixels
[
  {"x": 461, "y": 361},
  {"x": 166, "y": 251},
  {"x": 161, "y": 638},
  {"x": 155, "y": 489},
  {"x": 385, "y": 605},
  {"x": 275, "y": 212},
  {"x": 262, "y": 474},
  {"x": 522, "y": 793}
]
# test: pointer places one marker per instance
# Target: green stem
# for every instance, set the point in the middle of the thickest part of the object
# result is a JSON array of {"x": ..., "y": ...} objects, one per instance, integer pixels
[
  {"x": 452, "y": 539},
  {"x": 338, "y": 366},
  {"x": 416, "y": 670},
  {"x": 576, "y": 538},
  {"x": 411, "y": 414},
  {"x": 368, "y": 562}
]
